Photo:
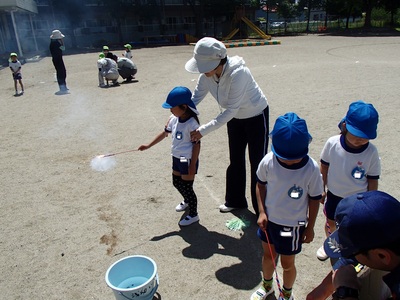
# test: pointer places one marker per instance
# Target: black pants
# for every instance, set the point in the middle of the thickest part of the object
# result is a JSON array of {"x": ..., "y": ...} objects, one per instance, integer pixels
[
  {"x": 61, "y": 72},
  {"x": 251, "y": 132},
  {"x": 126, "y": 72}
]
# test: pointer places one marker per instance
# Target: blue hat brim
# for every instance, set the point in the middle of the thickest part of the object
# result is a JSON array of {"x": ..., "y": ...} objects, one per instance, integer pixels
[
  {"x": 168, "y": 106},
  {"x": 358, "y": 133},
  {"x": 298, "y": 156},
  {"x": 331, "y": 245}
]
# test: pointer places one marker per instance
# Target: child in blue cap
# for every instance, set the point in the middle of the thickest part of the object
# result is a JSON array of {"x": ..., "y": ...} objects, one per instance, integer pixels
[
  {"x": 289, "y": 189},
  {"x": 350, "y": 164},
  {"x": 185, "y": 153}
]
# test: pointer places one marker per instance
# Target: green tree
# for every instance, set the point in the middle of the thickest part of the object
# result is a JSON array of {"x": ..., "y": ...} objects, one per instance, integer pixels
[
  {"x": 308, "y": 5},
  {"x": 347, "y": 8},
  {"x": 391, "y": 6},
  {"x": 368, "y": 5},
  {"x": 344, "y": 9},
  {"x": 287, "y": 9}
]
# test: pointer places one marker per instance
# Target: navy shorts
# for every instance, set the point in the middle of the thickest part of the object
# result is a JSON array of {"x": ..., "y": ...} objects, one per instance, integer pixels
[
  {"x": 287, "y": 240},
  {"x": 17, "y": 76},
  {"x": 330, "y": 205},
  {"x": 181, "y": 165}
]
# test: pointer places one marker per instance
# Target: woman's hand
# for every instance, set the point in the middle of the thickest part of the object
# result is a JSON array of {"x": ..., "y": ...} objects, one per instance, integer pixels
[{"x": 195, "y": 136}]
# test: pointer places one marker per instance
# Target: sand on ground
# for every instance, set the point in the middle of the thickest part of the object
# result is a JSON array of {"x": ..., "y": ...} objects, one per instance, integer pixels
[{"x": 63, "y": 223}]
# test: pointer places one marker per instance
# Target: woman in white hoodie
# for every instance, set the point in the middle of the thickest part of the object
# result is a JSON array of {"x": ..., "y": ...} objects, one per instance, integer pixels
[{"x": 243, "y": 107}]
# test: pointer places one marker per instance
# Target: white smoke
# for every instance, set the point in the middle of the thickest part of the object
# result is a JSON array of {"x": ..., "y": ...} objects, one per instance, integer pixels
[{"x": 103, "y": 163}]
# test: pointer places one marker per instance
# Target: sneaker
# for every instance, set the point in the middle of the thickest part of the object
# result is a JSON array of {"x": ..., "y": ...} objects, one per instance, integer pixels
[
  {"x": 321, "y": 255},
  {"x": 181, "y": 206},
  {"x": 224, "y": 208},
  {"x": 284, "y": 298},
  {"x": 261, "y": 294},
  {"x": 188, "y": 220}
]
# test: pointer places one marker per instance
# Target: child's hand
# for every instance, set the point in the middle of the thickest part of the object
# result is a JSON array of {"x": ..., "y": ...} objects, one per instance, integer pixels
[
  {"x": 192, "y": 168},
  {"x": 308, "y": 235},
  {"x": 262, "y": 221},
  {"x": 143, "y": 147},
  {"x": 322, "y": 201}
]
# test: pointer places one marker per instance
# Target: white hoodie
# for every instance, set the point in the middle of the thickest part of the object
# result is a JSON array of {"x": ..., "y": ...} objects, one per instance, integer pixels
[{"x": 236, "y": 91}]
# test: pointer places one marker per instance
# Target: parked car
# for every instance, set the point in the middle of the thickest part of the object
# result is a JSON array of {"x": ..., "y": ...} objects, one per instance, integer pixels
[{"x": 277, "y": 25}]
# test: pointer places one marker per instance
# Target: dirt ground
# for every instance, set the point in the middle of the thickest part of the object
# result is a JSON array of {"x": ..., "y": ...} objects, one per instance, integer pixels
[{"x": 63, "y": 223}]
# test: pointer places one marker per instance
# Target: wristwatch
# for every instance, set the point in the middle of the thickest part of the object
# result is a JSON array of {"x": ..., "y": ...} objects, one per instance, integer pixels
[{"x": 344, "y": 292}]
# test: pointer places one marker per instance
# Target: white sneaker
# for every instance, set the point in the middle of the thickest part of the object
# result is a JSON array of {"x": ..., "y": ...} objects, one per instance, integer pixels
[
  {"x": 224, "y": 208},
  {"x": 189, "y": 220},
  {"x": 181, "y": 206},
  {"x": 321, "y": 255},
  {"x": 261, "y": 294}
]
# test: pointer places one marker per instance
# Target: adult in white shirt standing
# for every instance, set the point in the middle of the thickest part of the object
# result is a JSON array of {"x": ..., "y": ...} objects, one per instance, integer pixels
[{"x": 244, "y": 109}]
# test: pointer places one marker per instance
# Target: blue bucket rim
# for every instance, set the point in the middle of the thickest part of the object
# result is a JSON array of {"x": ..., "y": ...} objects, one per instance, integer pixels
[{"x": 154, "y": 276}]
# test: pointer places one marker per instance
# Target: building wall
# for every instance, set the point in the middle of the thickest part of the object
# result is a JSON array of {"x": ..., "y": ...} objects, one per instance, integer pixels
[{"x": 96, "y": 27}]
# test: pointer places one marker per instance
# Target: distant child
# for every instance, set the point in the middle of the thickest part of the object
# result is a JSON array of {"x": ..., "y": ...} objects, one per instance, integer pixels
[
  {"x": 15, "y": 66},
  {"x": 350, "y": 164},
  {"x": 108, "y": 54},
  {"x": 289, "y": 189},
  {"x": 185, "y": 153},
  {"x": 128, "y": 52}
]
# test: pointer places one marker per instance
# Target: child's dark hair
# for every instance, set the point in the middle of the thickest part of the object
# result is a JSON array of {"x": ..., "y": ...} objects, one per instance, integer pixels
[
  {"x": 342, "y": 127},
  {"x": 191, "y": 113}
]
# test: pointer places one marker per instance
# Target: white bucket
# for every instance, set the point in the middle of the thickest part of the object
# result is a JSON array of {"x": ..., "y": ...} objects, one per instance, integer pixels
[{"x": 133, "y": 277}]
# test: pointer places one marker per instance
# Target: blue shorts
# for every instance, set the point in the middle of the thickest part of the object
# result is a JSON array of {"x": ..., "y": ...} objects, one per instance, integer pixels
[
  {"x": 287, "y": 240},
  {"x": 181, "y": 165},
  {"x": 17, "y": 76},
  {"x": 330, "y": 205}
]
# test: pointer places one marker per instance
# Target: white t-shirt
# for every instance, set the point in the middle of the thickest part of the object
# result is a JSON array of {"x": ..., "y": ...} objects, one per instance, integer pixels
[
  {"x": 128, "y": 54},
  {"x": 15, "y": 65},
  {"x": 348, "y": 169},
  {"x": 289, "y": 189},
  {"x": 182, "y": 145},
  {"x": 236, "y": 92}
]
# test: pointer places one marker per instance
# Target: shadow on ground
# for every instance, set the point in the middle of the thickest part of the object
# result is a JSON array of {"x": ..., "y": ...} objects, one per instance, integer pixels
[{"x": 203, "y": 244}]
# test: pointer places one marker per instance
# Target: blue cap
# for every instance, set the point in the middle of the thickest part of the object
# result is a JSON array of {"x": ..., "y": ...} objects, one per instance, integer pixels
[
  {"x": 178, "y": 96},
  {"x": 365, "y": 221},
  {"x": 290, "y": 137},
  {"x": 362, "y": 120}
]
